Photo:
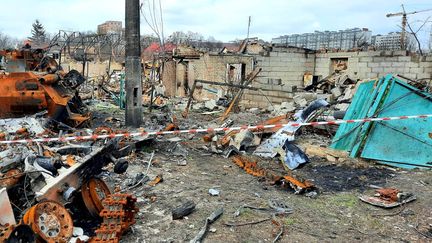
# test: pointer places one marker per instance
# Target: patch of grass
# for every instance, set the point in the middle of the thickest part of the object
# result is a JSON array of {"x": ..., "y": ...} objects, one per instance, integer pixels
[
  {"x": 247, "y": 213},
  {"x": 374, "y": 223},
  {"x": 290, "y": 221},
  {"x": 344, "y": 200}
]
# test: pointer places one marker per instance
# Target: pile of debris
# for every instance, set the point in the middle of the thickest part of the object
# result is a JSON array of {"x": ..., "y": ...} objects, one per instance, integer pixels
[
  {"x": 61, "y": 185},
  {"x": 54, "y": 189}
]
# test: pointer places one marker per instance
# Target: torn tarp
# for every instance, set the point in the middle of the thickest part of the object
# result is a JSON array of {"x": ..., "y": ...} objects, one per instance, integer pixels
[
  {"x": 294, "y": 156},
  {"x": 277, "y": 143}
]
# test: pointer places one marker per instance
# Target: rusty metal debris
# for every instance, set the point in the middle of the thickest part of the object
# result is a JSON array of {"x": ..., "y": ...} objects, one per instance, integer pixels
[
  {"x": 39, "y": 181},
  {"x": 297, "y": 185},
  {"x": 16, "y": 233},
  {"x": 50, "y": 221},
  {"x": 252, "y": 168},
  {"x": 118, "y": 215},
  {"x": 24, "y": 92},
  {"x": 10, "y": 177},
  {"x": 93, "y": 193},
  {"x": 158, "y": 179},
  {"x": 5, "y": 232},
  {"x": 388, "y": 198}
]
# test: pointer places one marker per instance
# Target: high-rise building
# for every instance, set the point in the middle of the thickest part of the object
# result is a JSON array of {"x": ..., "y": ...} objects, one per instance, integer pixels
[
  {"x": 110, "y": 27},
  {"x": 342, "y": 39},
  {"x": 392, "y": 41}
]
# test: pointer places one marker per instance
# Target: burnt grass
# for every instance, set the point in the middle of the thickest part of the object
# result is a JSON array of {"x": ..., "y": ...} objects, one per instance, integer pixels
[{"x": 339, "y": 178}]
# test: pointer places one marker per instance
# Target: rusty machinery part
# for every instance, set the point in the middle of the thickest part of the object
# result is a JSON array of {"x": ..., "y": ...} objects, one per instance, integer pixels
[
  {"x": 388, "y": 194},
  {"x": 93, "y": 193},
  {"x": 5, "y": 232},
  {"x": 10, "y": 178},
  {"x": 29, "y": 59},
  {"x": 16, "y": 233},
  {"x": 252, "y": 168},
  {"x": 50, "y": 221},
  {"x": 25, "y": 93},
  {"x": 118, "y": 215}
]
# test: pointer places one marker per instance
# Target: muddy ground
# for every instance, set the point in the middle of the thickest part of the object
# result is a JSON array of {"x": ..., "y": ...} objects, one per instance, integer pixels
[{"x": 334, "y": 215}]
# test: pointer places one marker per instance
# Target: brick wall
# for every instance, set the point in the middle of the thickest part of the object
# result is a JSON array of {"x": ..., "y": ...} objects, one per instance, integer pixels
[
  {"x": 262, "y": 98},
  {"x": 283, "y": 68},
  {"x": 287, "y": 64},
  {"x": 94, "y": 68},
  {"x": 169, "y": 78},
  {"x": 210, "y": 67},
  {"x": 363, "y": 65}
]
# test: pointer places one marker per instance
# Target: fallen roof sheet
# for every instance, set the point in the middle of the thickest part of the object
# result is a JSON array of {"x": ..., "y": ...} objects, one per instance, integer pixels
[{"x": 401, "y": 143}]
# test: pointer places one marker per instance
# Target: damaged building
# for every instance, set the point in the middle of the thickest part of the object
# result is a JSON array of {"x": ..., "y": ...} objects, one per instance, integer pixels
[
  {"x": 251, "y": 142},
  {"x": 284, "y": 70},
  {"x": 285, "y": 117}
]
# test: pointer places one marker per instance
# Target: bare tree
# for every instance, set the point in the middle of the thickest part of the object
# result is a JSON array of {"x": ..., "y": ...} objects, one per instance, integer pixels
[
  {"x": 151, "y": 10},
  {"x": 7, "y": 42},
  {"x": 414, "y": 33},
  {"x": 147, "y": 40}
]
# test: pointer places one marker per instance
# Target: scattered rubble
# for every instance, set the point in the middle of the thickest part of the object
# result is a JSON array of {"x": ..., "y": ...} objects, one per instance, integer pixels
[
  {"x": 94, "y": 190},
  {"x": 183, "y": 210}
]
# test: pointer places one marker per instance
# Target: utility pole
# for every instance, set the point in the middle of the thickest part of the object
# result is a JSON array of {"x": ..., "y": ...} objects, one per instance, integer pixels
[
  {"x": 403, "y": 33},
  {"x": 133, "y": 86},
  {"x": 249, "y": 23}
]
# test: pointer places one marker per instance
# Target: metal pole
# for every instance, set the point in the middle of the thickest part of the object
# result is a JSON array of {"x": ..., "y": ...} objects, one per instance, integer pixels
[
  {"x": 249, "y": 22},
  {"x": 133, "y": 86},
  {"x": 404, "y": 22},
  {"x": 403, "y": 33},
  {"x": 84, "y": 63}
]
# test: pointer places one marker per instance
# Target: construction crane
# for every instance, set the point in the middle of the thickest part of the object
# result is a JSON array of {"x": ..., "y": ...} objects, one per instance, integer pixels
[{"x": 404, "y": 21}]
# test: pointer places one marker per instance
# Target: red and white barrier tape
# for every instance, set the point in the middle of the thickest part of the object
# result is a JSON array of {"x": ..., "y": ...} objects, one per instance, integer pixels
[{"x": 207, "y": 130}]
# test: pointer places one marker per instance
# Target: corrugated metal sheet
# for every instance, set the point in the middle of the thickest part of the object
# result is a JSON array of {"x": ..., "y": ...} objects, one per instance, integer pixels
[{"x": 402, "y": 143}]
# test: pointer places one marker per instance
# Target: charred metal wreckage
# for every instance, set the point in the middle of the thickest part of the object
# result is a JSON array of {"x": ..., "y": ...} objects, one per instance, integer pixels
[
  {"x": 49, "y": 192},
  {"x": 31, "y": 82},
  {"x": 53, "y": 189}
]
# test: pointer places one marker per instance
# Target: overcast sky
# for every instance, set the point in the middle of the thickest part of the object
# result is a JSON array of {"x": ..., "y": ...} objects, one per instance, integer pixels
[{"x": 224, "y": 19}]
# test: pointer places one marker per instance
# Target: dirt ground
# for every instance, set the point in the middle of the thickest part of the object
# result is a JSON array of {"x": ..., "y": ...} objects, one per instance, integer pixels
[{"x": 334, "y": 215}]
